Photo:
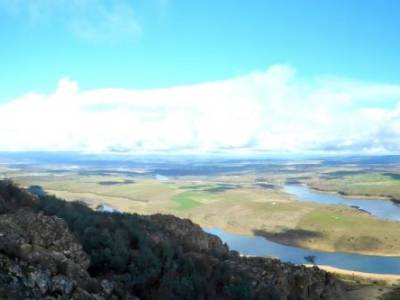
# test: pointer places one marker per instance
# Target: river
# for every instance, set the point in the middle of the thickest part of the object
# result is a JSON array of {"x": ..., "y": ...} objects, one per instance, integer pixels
[
  {"x": 381, "y": 208},
  {"x": 260, "y": 246}
]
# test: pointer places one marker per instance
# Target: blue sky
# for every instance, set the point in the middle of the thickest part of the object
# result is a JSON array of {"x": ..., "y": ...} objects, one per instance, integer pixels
[
  {"x": 195, "y": 41},
  {"x": 337, "y": 49}
]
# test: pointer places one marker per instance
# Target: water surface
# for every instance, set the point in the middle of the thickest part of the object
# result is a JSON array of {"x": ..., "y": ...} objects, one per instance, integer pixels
[
  {"x": 260, "y": 246},
  {"x": 381, "y": 208}
]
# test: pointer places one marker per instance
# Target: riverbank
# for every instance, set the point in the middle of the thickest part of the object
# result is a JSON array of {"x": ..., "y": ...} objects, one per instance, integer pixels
[
  {"x": 349, "y": 196},
  {"x": 259, "y": 246},
  {"x": 324, "y": 228},
  {"x": 372, "y": 185},
  {"x": 379, "y": 208},
  {"x": 366, "y": 286},
  {"x": 354, "y": 275},
  {"x": 312, "y": 186}
]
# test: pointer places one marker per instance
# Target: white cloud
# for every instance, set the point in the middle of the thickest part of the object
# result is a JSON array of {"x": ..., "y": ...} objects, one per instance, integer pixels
[
  {"x": 93, "y": 20},
  {"x": 267, "y": 111},
  {"x": 98, "y": 22}
]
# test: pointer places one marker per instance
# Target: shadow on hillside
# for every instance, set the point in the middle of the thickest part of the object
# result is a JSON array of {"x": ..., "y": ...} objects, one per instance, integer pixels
[
  {"x": 360, "y": 243},
  {"x": 289, "y": 236}
]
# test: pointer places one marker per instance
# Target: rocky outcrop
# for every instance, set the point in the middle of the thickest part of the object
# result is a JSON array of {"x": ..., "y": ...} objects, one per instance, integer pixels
[
  {"x": 40, "y": 258},
  {"x": 288, "y": 281},
  {"x": 270, "y": 278},
  {"x": 186, "y": 233},
  {"x": 42, "y": 240}
]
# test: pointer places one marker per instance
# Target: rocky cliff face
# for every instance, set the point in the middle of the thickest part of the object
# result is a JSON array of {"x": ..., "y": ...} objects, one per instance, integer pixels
[{"x": 41, "y": 259}]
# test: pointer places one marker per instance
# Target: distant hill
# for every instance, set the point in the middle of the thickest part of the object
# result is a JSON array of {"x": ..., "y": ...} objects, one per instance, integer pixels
[{"x": 53, "y": 249}]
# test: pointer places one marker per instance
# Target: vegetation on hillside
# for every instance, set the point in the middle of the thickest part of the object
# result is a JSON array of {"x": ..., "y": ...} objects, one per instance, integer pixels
[{"x": 122, "y": 244}]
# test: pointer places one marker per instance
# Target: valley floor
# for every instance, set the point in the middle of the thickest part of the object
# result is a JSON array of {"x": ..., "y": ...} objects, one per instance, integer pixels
[{"x": 238, "y": 207}]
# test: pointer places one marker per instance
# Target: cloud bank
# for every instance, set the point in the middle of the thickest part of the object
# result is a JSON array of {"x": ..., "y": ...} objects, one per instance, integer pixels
[{"x": 274, "y": 110}]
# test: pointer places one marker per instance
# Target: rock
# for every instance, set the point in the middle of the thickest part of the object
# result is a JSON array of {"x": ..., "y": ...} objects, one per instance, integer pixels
[
  {"x": 16, "y": 270},
  {"x": 107, "y": 286},
  {"x": 42, "y": 280},
  {"x": 62, "y": 285},
  {"x": 185, "y": 232},
  {"x": 81, "y": 294},
  {"x": 42, "y": 240},
  {"x": 39, "y": 256}
]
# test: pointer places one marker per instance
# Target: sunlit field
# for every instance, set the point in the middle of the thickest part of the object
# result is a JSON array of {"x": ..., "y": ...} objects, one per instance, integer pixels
[{"x": 246, "y": 201}]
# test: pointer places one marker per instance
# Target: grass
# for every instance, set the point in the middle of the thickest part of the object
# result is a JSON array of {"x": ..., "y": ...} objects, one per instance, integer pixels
[
  {"x": 343, "y": 229},
  {"x": 187, "y": 200},
  {"x": 143, "y": 190},
  {"x": 370, "y": 185},
  {"x": 236, "y": 205}
]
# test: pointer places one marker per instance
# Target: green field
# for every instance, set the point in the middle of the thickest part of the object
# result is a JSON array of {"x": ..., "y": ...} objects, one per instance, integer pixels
[{"x": 370, "y": 185}]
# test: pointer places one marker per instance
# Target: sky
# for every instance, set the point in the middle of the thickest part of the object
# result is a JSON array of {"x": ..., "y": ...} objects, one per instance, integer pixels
[{"x": 175, "y": 76}]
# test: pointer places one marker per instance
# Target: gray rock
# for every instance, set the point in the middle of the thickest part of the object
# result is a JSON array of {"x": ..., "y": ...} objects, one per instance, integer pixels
[
  {"x": 16, "y": 270},
  {"x": 108, "y": 286},
  {"x": 62, "y": 284},
  {"x": 42, "y": 280}
]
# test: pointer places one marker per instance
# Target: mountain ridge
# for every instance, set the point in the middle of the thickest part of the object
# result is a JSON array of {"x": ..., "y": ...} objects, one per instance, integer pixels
[{"x": 53, "y": 249}]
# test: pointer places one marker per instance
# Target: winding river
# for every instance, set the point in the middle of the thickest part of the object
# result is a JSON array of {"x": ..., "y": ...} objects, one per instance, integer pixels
[
  {"x": 260, "y": 246},
  {"x": 381, "y": 208}
]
